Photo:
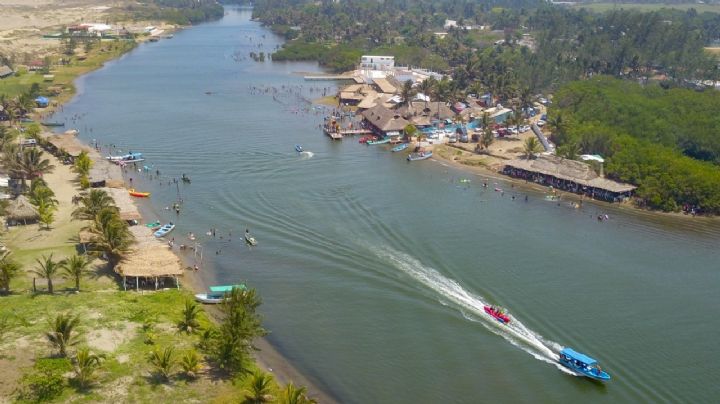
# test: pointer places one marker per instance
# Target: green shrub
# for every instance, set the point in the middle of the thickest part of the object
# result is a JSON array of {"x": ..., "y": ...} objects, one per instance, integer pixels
[{"x": 46, "y": 381}]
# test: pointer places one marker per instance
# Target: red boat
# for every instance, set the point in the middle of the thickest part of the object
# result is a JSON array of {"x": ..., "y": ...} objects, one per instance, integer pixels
[
  {"x": 497, "y": 314},
  {"x": 364, "y": 139}
]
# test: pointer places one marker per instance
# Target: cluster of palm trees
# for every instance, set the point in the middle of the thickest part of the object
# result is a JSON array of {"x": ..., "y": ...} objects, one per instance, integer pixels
[
  {"x": 82, "y": 165},
  {"x": 25, "y": 163},
  {"x": 110, "y": 234},
  {"x": 74, "y": 268},
  {"x": 17, "y": 107},
  {"x": 63, "y": 335}
]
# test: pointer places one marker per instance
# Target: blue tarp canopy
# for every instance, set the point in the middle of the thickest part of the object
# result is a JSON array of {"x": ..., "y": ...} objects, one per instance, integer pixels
[
  {"x": 42, "y": 100},
  {"x": 226, "y": 288},
  {"x": 578, "y": 356}
]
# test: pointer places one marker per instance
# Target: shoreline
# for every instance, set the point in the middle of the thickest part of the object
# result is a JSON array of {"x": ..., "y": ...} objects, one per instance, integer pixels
[{"x": 269, "y": 358}]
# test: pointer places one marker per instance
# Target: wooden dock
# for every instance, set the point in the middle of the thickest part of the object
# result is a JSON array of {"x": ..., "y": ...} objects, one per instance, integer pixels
[
  {"x": 346, "y": 132},
  {"x": 317, "y": 77}
]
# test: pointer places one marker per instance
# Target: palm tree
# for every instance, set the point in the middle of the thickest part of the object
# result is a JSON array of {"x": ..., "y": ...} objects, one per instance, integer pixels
[
  {"x": 558, "y": 128},
  {"x": 487, "y": 137},
  {"x": 407, "y": 92},
  {"x": 295, "y": 395},
  {"x": 518, "y": 119},
  {"x": 40, "y": 193},
  {"x": 86, "y": 363},
  {"x": 75, "y": 268},
  {"x": 31, "y": 164},
  {"x": 47, "y": 269},
  {"x": 110, "y": 234},
  {"x": 569, "y": 151},
  {"x": 63, "y": 333},
  {"x": 83, "y": 163},
  {"x": 531, "y": 147},
  {"x": 163, "y": 361},
  {"x": 9, "y": 269},
  {"x": 91, "y": 203},
  {"x": 189, "y": 322},
  {"x": 46, "y": 213},
  {"x": 190, "y": 364},
  {"x": 259, "y": 390}
]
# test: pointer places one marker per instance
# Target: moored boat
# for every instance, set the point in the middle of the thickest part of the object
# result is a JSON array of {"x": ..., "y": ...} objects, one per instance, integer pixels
[
  {"x": 400, "y": 147},
  {"x": 127, "y": 158},
  {"x": 48, "y": 123},
  {"x": 582, "y": 364},
  {"x": 164, "y": 230},
  {"x": 216, "y": 294},
  {"x": 250, "y": 240},
  {"x": 381, "y": 141},
  {"x": 419, "y": 156},
  {"x": 185, "y": 178},
  {"x": 138, "y": 194},
  {"x": 497, "y": 314}
]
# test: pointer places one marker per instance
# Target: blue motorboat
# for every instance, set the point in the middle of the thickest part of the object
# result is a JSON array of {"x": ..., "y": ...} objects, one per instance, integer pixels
[
  {"x": 298, "y": 148},
  {"x": 400, "y": 147},
  {"x": 163, "y": 231},
  {"x": 582, "y": 364}
]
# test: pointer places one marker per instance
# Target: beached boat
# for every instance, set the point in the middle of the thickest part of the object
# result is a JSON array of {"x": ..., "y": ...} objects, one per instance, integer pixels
[
  {"x": 552, "y": 197},
  {"x": 127, "y": 158},
  {"x": 138, "y": 194},
  {"x": 582, "y": 365},
  {"x": 216, "y": 294},
  {"x": 154, "y": 225},
  {"x": 250, "y": 240},
  {"x": 163, "y": 231},
  {"x": 497, "y": 314},
  {"x": 52, "y": 123},
  {"x": 298, "y": 148},
  {"x": 419, "y": 156},
  {"x": 400, "y": 147},
  {"x": 381, "y": 141},
  {"x": 185, "y": 179}
]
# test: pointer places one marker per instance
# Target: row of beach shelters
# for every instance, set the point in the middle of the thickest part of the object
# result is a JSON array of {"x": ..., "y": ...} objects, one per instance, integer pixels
[
  {"x": 568, "y": 175},
  {"x": 64, "y": 145},
  {"x": 384, "y": 121},
  {"x": 421, "y": 113}
]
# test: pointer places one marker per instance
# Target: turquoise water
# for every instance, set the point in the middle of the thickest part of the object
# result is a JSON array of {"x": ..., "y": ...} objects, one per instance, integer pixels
[{"x": 374, "y": 271}]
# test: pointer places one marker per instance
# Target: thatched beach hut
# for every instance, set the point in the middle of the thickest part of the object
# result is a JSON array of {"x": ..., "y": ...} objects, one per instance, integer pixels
[
  {"x": 150, "y": 263},
  {"x": 21, "y": 210}
]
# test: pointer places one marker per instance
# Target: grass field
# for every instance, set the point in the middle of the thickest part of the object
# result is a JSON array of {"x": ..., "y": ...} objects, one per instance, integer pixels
[{"x": 602, "y": 7}]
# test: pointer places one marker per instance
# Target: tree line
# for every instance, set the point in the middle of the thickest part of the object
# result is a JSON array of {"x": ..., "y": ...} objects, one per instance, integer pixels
[
  {"x": 665, "y": 141},
  {"x": 565, "y": 44}
]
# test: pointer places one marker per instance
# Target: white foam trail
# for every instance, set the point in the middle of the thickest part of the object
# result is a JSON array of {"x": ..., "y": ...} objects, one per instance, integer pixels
[
  {"x": 307, "y": 155},
  {"x": 472, "y": 307}
]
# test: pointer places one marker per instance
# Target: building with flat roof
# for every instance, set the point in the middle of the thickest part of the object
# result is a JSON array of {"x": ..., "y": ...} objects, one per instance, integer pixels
[{"x": 371, "y": 62}]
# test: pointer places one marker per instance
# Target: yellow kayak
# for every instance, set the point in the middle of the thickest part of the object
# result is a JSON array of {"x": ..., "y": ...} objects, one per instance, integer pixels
[{"x": 138, "y": 194}]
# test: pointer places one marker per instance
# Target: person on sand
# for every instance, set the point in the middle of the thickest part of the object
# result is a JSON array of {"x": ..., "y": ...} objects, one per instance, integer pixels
[{"x": 196, "y": 268}]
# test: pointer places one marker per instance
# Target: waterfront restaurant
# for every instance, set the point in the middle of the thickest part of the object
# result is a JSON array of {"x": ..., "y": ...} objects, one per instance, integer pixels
[
  {"x": 383, "y": 121},
  {"x": 568, "y": 175}
]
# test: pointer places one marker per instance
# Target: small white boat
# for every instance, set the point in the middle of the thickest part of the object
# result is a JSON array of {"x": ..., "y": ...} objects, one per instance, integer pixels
[
  {"x": 216, "y": 295},
  {"x": 250, "y": 240}
]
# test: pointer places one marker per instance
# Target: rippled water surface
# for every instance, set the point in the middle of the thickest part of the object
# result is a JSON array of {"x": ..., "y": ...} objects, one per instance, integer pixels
[{"x": 374, "y": 271}]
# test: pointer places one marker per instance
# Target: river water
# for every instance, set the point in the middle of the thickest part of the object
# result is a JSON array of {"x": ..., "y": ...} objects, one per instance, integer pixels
[{"x": 374, "y": 271}]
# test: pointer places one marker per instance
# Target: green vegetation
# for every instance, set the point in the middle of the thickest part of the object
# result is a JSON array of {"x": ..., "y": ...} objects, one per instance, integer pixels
[
  {"x": 180, "y": 12},
  {"x": 562, "y": 44},
  {"x": 663, "y": 140},
  {"x": 602, "y": 7}
]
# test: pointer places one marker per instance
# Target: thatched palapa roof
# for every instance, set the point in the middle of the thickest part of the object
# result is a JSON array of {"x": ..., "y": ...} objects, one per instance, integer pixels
[
  {"x": 385, "y": 119},
  {"x": 570, "y": 170},
  {"x": 124, "y": 202},
  {"x": 68, "y": 143},
  {"x": 21, "y": 209},
  {"x": 150, "y": 257}
]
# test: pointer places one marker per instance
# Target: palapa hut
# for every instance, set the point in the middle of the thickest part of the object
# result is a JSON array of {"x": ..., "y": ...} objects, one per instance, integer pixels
[
  {"x": 127, "y": 209},
  {"x": 21, "y": 210},
  {"x": 384, "y": 122},
  {"x": 57, "y": 144},
  {"x": 150, "y": 263},
  {"x": 568, "y": 175}
]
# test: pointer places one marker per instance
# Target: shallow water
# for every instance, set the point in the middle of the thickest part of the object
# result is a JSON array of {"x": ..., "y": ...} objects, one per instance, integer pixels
[{"x": 374, "y": 270}]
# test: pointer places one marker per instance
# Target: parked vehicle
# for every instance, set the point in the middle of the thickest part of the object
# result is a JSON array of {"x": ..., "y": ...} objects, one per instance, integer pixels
[
  {"x": 464, "y": 138},
  {"x": 452, "y": 139}
]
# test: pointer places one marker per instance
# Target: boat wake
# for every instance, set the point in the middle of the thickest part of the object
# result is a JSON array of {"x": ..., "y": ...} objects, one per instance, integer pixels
[
  {"x": 306, "y": 155},
  {"x": 471, "y": 306}
]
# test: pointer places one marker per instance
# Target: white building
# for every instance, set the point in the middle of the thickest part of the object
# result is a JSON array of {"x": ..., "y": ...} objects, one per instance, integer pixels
[
  {"x": 450, "y": 24},
  {"x": 370, "y": 62}
]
